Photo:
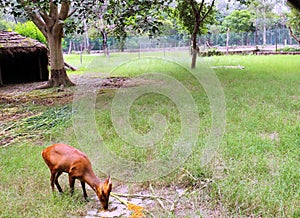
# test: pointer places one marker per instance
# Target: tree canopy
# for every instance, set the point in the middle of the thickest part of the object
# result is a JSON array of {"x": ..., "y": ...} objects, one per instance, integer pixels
[{"x": 239, "y": 21}]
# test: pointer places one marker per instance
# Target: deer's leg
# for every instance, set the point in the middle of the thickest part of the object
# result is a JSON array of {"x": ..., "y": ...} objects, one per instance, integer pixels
[
  {"x": 56, "y": 181},
  {"x": 52, "y": 178},
  {"x": 72, "y": 183},
  {"x": 83, "y": 190}
]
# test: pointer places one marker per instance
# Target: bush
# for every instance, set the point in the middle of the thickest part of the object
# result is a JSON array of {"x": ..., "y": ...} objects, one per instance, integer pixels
[
  {"x": 28, "y": 29},
  {"x": 289, "y": 49},
  {"x": 211, "y": 52},
  {"x": 7, "y": 26}
]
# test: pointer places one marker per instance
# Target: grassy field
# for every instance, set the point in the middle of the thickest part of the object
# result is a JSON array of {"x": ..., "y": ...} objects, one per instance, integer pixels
[{"x": 255, "y": 173}]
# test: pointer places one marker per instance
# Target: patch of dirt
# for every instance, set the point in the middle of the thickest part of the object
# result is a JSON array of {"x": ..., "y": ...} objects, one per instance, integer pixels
[
  {"x": 18, "y": 100},
  {"x": 170, "y": 201},
  {"x": 14, "y": 97},
  {"x": 274, "y": 136}
]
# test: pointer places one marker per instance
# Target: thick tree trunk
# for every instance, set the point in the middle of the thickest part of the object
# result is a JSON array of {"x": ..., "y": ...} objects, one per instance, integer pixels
[
  {"x": 59, "y": 76},
  {"x": 1, "y": 82}
]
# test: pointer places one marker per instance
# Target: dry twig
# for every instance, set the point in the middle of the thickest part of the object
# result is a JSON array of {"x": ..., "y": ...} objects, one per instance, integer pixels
[
  {"x": 158, "y": 200},
  {"x": 139, "y": 196},
  {"x": 178, "y": 197}
]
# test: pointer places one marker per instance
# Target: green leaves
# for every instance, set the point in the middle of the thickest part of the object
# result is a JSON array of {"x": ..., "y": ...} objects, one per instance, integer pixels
[
  {"x": 28, "y": 29},
  {"x": 140, "y": 16},
  {"x": 239, "y": 21},
  {"x": 185, "y": 16}
]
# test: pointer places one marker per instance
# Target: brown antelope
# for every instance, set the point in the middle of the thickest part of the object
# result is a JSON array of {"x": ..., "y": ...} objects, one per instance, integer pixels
[{"x": 64, "y": 158}]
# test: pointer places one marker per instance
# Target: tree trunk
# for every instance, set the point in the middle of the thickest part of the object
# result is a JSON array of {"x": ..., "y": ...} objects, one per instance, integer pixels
[
  {"x": 195, "y": 48},
  {"x": 59, "y": 76},
  {"x": 1, "y": 82},
  {"x": 264, "y": 33},
  {"x": 194, "y": 58},
  {"x": 86, "y": 38},
  {"x": 104, "y": 42},
  {"x": 70, "y": 47},
  {"x": 264, "y": 25}
]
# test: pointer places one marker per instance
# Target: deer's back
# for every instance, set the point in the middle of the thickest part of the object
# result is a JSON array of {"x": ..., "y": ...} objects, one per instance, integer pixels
[{"x": 65, "y": 158}]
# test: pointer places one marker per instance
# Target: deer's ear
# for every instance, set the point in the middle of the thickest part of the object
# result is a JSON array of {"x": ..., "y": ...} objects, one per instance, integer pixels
[
  {"x": 107, "y": 181},
  {"x": 108, "y": 184}
]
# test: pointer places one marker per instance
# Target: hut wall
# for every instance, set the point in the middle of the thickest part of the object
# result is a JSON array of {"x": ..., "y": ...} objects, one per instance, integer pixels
[
  {"x": 22, "y": 59},
  {"x": 24, "y": 65}
]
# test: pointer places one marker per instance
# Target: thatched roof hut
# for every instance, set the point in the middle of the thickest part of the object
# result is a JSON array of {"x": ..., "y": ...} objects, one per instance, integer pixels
[{"x": 22, "y": 59}]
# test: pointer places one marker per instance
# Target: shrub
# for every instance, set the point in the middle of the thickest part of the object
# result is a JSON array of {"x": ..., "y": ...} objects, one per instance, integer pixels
[
  {"x": 5, "y": 25},
  {"x": 28, "y": 29},
  {"x": 289, "y": 49}
]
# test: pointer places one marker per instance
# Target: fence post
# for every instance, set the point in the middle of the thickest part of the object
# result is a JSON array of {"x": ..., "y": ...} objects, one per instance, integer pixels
[
  {"x": 227, "y": 41},
  {"x": 276, "y": 41},
  {"x": 139, "y": 53}
]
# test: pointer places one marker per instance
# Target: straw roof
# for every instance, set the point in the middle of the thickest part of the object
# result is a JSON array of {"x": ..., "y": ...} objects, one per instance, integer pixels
[{"x": 12, "y": 42}]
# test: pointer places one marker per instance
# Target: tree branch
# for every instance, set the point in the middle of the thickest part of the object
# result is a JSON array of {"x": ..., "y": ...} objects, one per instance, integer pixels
[
  {"x": 195, "y": 10},
  {"x": 45, "y": 16},
  {"x": 64, "y": 10},
  {"x": 294, "y": 36},
  {"x": 201, "y": 6},
  {"x": 53, "y": 9},
  {"x": 37, "y": 20},
  {"x": 41, "y": 25},
  {"x": 208, "y": 11},
  {"x": 71, "y": 13}
]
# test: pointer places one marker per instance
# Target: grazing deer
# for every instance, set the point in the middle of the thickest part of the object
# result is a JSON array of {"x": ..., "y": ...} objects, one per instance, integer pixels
[{"x": 64, "y": 158}]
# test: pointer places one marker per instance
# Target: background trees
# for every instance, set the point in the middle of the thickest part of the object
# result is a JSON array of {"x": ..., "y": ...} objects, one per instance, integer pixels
[
  {"x": 239, "y": 21},
  {"x": 294, "y": 24},
  {"x": 194, "y": 16},
  {"x": 58, "y": 18}
]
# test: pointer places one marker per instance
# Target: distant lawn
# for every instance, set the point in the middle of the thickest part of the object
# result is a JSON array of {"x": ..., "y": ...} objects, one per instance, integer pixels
[{"x": 256, "y": 172}]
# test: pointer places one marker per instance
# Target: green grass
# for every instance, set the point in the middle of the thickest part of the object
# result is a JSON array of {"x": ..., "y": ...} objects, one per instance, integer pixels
[
  {"x": 258, "y": 171},
  {"x": 262, "y": 141},
  {"x": 25, "y": 186}
]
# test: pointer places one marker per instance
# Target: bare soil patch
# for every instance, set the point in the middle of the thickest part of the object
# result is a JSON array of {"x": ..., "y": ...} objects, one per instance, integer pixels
[
  {"x": 15, "y": 96},
  {"x": 19, "y": 102}
]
